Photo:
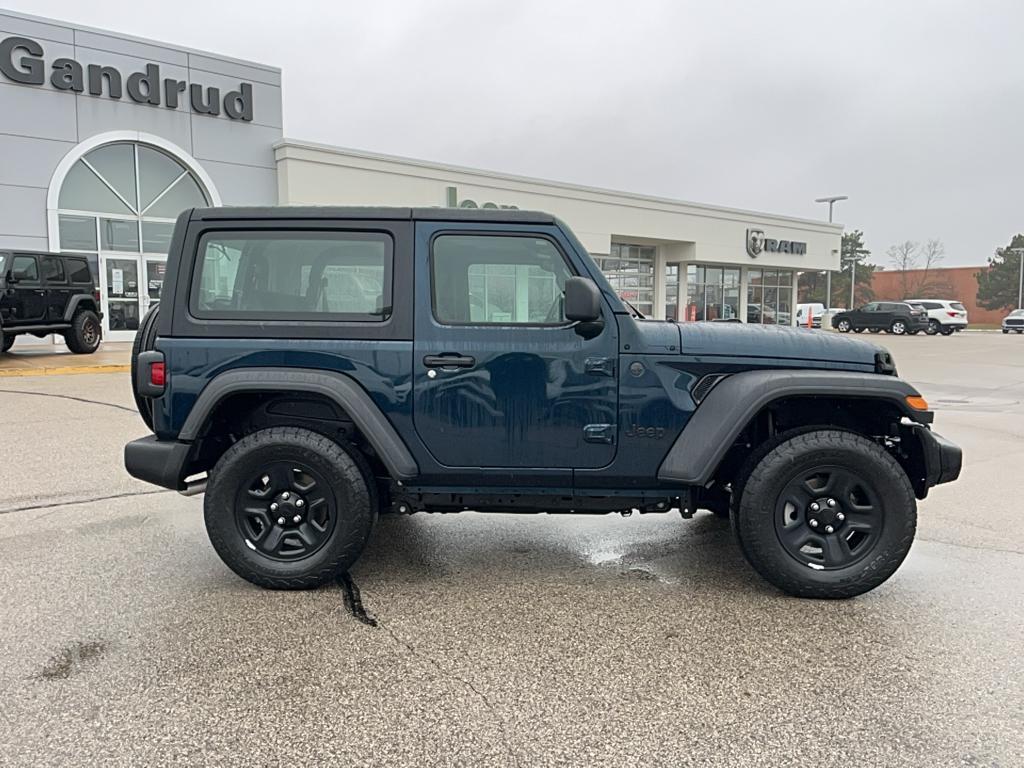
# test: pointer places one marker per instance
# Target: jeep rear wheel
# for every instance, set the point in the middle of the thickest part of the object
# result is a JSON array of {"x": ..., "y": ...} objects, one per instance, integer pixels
[
  {"x": 287, "y": 508},
  {"x": 84, "y": 336},
  {"x": 826, "y": 514}
]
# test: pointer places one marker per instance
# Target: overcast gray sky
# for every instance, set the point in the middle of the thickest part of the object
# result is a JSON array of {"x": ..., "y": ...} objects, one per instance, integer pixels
[{"x": 913, "y": 109}]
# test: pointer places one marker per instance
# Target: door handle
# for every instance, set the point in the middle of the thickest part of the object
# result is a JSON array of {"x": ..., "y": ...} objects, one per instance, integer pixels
[{"x": 449, "y": 360}]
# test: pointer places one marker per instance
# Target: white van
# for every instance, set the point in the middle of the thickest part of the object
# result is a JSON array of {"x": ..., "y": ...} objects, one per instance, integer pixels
[{"x": 815, "y": 310}]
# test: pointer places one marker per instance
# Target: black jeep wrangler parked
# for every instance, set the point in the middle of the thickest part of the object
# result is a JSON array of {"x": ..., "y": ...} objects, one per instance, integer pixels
[
  {"x": 311, "y": 368},
  {"x": 44, "y": 293}
]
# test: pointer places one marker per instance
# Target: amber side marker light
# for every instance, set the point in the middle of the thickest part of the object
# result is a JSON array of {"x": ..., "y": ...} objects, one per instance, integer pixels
[{"x": 917, "y": 402}]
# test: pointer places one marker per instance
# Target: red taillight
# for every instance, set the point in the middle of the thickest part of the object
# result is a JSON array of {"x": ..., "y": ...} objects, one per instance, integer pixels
[
  {"x": 953, "y": 314},
  {"x": 157, "y": 374},
  {"x": 96, "y": 295}
]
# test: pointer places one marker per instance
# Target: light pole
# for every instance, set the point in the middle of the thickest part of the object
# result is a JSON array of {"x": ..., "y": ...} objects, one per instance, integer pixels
[
  {"x": 1020, "y": 290},
  {"x": 828, "y": 272}
]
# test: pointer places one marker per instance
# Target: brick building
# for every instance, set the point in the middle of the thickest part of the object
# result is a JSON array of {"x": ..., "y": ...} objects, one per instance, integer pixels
[{"x": 956, "y": 283}]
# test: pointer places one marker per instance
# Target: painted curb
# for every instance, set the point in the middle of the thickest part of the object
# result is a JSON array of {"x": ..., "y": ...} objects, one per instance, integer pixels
[{"x": 64, "y": 370}]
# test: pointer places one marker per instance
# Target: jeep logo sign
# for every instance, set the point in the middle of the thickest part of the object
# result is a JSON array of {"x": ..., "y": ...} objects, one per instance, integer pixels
[
  {"x": 757, "y": 244},
  {"x": 21, "y": 61}
]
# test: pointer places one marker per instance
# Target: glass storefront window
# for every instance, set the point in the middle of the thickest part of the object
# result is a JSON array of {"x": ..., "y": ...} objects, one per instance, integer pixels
[
  {"x": 712, "y": 293},
  {"x": 77, "y": 233},
  {"x": 769, "y": 293},
  {"x": 118, "y": 204},
  {"x": 630, "y": 270}
]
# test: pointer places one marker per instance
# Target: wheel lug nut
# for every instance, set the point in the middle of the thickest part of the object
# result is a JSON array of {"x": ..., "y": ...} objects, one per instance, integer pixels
[
  {"x": 815, "y": 507},
  {"x": 300, "y": 503},
  {"x": 297, "y": 519},
  {"x": 281, "y": 521},
  {"x": 840, "y": 516},
  {"x": 273, "y": 507},
  {"x": 829, "y": 529},
  {"x": 831, "y": 502},
  {"x": 286, "y": 495},
  {"x": 812, "y": 523}
]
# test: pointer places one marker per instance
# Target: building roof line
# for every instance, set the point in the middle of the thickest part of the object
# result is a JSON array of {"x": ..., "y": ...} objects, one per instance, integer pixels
[
  {"x": 286, "y": 143},
  {"x": 71, "y": 27}
]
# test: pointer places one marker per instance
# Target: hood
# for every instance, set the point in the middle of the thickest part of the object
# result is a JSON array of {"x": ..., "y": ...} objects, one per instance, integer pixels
[{"x": 774, "y": 341}]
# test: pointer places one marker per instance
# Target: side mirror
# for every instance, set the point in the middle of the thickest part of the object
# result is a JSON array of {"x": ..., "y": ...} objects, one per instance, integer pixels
[{"x": 582, "y": 300}]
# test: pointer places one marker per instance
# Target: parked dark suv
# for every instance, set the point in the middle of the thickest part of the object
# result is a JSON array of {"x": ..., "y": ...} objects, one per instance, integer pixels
[
  {"x": 44, "y": 293},
  {"x": 310, "y": 368},
  {"x": 897, "y": 317}
]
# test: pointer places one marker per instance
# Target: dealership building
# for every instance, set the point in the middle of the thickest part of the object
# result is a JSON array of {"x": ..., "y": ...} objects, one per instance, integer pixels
[{"x": 105, "y": 138}]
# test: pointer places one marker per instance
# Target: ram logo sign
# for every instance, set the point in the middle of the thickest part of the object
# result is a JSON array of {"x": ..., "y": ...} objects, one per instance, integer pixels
[{"x": 758, "y": 243}]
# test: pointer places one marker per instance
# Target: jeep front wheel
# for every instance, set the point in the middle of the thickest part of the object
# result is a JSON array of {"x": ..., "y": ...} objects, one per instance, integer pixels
[
  {"x": 843, "y": 326},
  {"x": 898, "y": 327},
  {"x": 85, "y": 333},
  {"x": 287, "y": 508},
  {"x": 826, "y": 514}
]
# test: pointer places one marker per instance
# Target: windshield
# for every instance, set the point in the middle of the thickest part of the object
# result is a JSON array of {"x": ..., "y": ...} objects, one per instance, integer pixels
[{"x": 1017, "y": 313}]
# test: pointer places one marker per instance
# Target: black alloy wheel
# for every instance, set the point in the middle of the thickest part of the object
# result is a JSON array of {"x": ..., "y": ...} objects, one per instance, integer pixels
[{"x": 286, "y": 511}]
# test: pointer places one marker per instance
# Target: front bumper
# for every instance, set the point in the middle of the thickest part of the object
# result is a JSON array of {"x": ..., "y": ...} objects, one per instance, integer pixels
[
  {"x": 938, "y": 461},
  {"x": 160, "y": 462}
]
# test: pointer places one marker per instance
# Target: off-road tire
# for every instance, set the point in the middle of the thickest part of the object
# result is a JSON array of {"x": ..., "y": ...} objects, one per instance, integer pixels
[
  {"x": 85, "y": 334},
  {"x": 349, "y": 480},
  {"x": 754, "y": 514},
  {"x": 145, "y": 339}
]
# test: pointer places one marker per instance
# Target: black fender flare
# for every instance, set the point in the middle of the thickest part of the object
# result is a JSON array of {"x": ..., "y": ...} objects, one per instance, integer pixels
[
  {"x": 736, "y": 399},
  {"x": 338, "y": 387},
  {"x": 74, "y": 303}
]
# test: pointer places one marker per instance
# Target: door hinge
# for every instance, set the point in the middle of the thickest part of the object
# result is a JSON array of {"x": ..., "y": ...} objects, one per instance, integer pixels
[
  {"x": 599, "y": 433},
  {"x": 599, "y": 366}
]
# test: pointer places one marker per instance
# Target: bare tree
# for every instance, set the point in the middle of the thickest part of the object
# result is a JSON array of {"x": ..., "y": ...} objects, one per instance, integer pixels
[
  {"x": 904, "y": 257},
  {"x": 932, "y": 254}
]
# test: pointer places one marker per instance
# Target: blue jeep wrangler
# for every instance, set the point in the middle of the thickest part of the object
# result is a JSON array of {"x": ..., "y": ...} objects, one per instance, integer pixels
[{"x": 311, "y": 368}]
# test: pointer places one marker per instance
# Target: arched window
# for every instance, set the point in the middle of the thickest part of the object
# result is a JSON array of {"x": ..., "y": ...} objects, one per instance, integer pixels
[{"x": 117, "y": 205}]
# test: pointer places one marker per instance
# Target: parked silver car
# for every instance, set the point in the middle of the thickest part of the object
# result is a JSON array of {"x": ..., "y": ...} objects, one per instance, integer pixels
[{"x": 1014, "y": 321}]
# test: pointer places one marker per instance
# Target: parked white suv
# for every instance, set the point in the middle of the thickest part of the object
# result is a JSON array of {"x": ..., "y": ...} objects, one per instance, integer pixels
[{"x": 945, "y": 317}]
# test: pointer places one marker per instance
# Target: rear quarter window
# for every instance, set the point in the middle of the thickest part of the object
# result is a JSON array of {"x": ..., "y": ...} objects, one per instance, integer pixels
[
  {"x": 958, "y": 306},
  {"x": 78, "y": 271},
  {"x": 293, "y": 275}
]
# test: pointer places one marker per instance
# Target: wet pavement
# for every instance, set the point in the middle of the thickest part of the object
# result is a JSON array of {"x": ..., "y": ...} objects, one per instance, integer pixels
[{"x": 502, "y": 639}]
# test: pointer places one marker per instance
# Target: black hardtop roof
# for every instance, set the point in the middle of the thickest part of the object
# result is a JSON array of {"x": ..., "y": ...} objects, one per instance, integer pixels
[
  {"x": 361, "y": 213},
  {"x": 30, "y": 252}
]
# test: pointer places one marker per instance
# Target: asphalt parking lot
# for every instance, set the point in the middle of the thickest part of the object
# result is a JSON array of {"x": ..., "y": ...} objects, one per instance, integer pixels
[{"x": 502, "y": 640}]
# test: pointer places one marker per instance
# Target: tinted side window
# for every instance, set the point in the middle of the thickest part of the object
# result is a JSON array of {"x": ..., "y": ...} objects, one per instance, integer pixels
[
  {"x": 931, "y": 305},
  {"x": 871, "y": 308},
  {"x": 53, "y": 270},
  {"x": 78, "y": 269},
  {"x": 25, "y": 268},
  {"x": 497, "y": 280},
  {"x": 316, "y": 276}
]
